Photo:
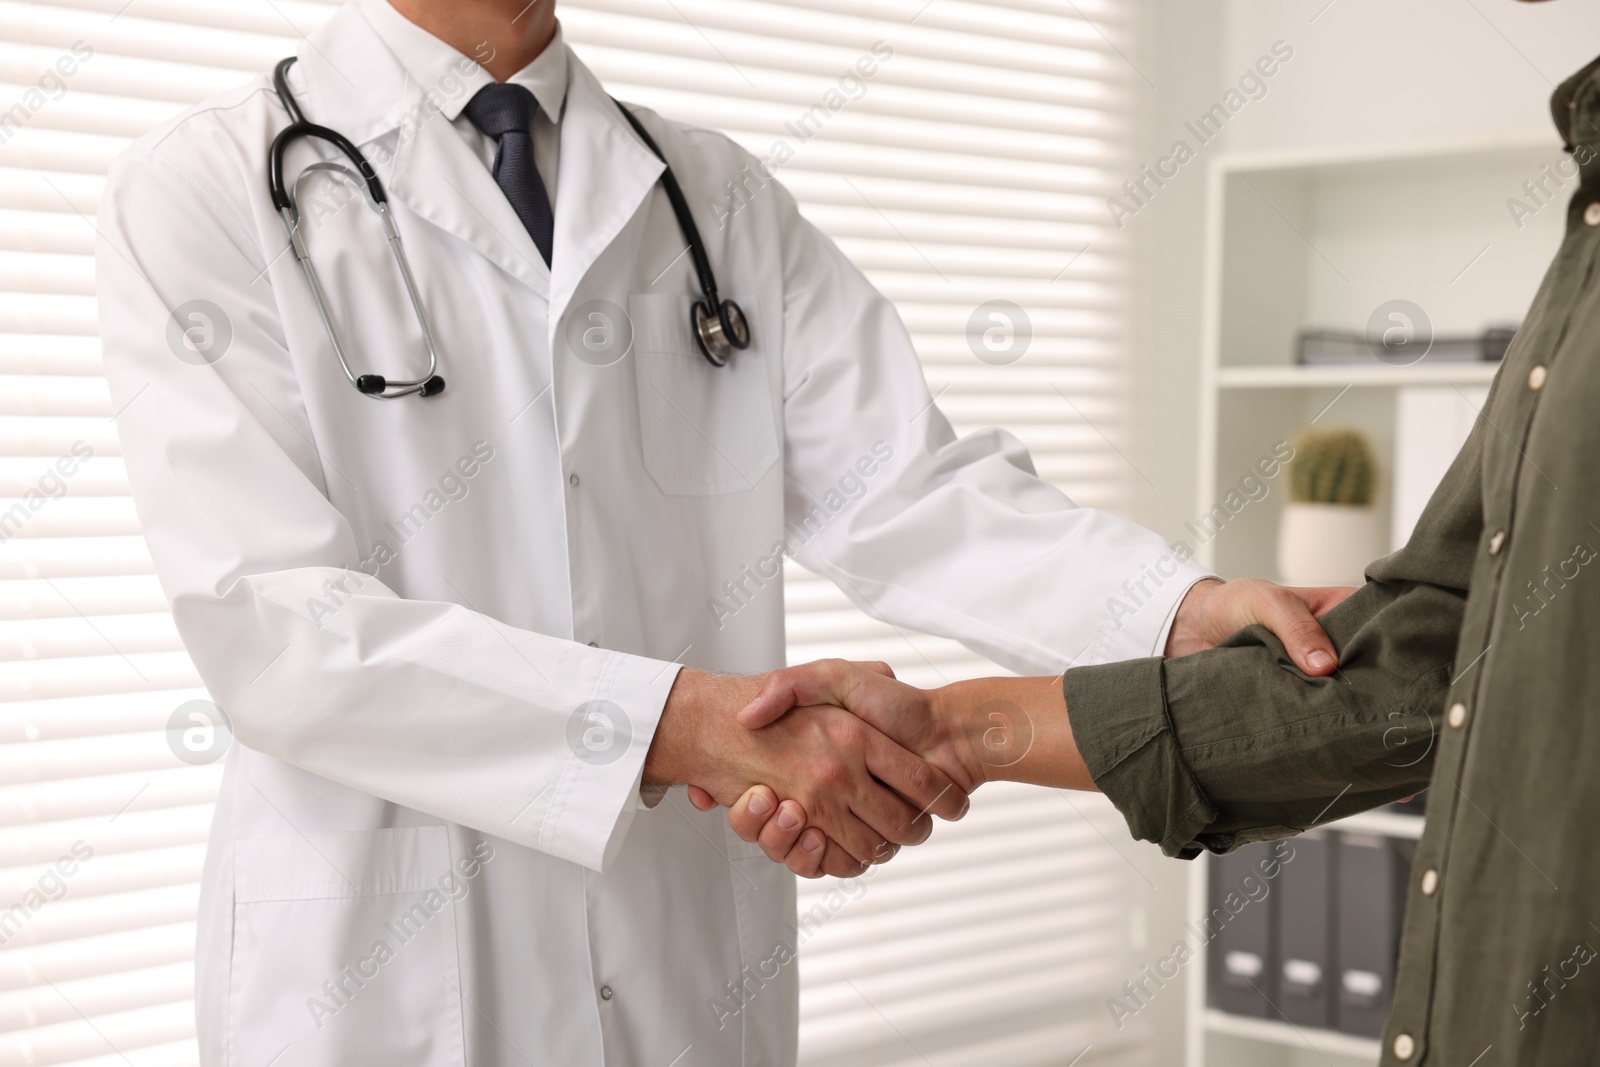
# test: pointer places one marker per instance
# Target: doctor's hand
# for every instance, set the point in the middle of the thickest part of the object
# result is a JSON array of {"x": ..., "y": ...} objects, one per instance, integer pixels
[
  {"x": 864, "y": 794},
  {"x": 1213, "y": 610}
]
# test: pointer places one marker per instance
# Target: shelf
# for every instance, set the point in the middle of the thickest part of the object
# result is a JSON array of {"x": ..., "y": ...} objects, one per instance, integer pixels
[
  {"x": 1280, "y": 1033},
  {"x": 1389, "y": 158},
  {"x": 1381, "y": 823},
  {"x": 1338, "y": 376}
]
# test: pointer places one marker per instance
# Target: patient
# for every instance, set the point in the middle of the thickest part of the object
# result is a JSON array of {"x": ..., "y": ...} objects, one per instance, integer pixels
[{"x": 1468, "y": 663}]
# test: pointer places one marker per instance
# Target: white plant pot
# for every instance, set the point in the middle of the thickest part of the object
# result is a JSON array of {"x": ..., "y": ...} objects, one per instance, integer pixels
[{"x": 1327, "y": 544}]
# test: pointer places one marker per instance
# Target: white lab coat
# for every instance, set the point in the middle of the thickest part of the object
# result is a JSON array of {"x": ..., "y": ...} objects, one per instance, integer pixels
[{"x": 426, "y": 851}]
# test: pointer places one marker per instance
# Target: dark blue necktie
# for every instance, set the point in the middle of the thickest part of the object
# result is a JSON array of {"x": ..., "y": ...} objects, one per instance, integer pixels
[{"x": 505, "y": 112}]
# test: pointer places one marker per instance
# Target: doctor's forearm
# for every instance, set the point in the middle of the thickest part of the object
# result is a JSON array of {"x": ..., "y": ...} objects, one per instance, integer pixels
[{"x": 680, "y": 752}]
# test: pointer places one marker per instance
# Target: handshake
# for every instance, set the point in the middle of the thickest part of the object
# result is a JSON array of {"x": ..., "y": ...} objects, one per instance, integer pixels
[{"x": 833, "y": 766}]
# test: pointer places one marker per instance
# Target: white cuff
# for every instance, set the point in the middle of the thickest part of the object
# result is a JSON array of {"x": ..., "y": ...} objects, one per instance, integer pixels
[
  {"x": 600, "y": 787},
  {"x": 1160, "y": 648},
  {"x": 1142, "y": 614}
]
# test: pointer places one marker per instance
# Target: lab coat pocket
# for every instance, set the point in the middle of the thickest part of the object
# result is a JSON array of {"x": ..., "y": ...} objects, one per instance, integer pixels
[
  {"x": 344, "y": 950},
  {"x": 705, "y": 430}
]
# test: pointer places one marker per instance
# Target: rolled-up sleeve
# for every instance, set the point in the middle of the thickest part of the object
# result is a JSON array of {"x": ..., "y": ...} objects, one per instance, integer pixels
[{"x": 1234, "y": 745}]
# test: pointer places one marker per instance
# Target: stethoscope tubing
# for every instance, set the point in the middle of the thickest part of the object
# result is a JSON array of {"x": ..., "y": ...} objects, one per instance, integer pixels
[
  {"x": 726, "y": 311},
  {"x": 285, "y": 199},
  {"x": 719, "y": 326}
]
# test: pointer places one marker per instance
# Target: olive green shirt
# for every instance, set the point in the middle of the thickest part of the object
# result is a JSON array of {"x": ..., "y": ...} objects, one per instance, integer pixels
[{"x": 1470, "y": 663}]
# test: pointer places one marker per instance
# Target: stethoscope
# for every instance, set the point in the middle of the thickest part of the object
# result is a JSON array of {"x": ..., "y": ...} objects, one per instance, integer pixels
[{"x": 719, "y": 326}]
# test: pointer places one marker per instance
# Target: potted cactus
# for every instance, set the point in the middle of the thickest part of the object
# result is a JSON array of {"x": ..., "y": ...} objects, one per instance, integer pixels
[{"x": 1330, "y": 529}]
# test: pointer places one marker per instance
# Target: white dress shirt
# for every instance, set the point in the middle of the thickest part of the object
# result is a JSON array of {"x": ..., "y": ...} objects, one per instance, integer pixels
[{"x": 452, "y": 77}]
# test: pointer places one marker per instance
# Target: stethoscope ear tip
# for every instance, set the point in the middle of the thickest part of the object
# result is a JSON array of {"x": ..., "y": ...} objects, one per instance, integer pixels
[{"x": 377, "y": 385}]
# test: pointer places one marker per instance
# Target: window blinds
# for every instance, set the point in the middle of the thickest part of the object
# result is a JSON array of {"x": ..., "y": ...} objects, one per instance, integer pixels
[{"x": 969, "y": 166}]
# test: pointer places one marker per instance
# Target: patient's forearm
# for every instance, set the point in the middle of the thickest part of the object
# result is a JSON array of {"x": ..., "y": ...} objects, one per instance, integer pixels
[{"x": 1012, "y": 729}]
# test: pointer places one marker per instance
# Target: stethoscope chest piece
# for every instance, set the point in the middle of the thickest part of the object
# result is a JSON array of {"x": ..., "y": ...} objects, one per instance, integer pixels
[
  {"x": 719, "y": 326},
  {"x": 721, "y": 333}
]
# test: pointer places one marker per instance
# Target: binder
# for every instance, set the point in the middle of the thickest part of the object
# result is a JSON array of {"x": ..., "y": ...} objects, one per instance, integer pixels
[
  {"x": 1239, "y": 928},
  {"x": 1318, "y": 347},
  {"x": 1304, "y": 960},
  {"x": 1371, "y": 875}
]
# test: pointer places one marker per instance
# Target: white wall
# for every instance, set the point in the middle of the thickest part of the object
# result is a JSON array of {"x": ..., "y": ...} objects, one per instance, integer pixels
[
  {"x": 1399, "y": 71},
  {"x": 1179, "y": 67},
  {"x": 1180, "y": 51}
]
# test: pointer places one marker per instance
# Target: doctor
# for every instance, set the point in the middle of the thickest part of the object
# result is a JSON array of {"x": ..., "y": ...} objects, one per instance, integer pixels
[{"x": 451, "y": 630}]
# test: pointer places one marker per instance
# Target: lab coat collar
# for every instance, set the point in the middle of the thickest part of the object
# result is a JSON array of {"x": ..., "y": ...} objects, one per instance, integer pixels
[
  {"x": 348, "y": 79},
  {"x": 356, "y": 85},
  {"x": 606, "y": 173},
  {"x": 363, "y": 92}
]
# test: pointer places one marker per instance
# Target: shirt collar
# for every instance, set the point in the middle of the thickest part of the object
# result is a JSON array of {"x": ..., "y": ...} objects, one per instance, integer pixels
[
  {"x": 1573, "y": 107},
  {"x": 453, "y": 77}
]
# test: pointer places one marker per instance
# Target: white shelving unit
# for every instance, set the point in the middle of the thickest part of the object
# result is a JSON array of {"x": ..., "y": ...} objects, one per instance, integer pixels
[
  {"x": 1266, "y": 1031},
  {"x": 1322, "y": 239},
  {"x": 1296, "y": 377}
]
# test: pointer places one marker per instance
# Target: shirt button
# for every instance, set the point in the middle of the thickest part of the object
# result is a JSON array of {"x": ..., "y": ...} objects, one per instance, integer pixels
[
  {"x": 1405, "y": 1046},
  {"x": 1536, "y": 377},
  {"x": 1496, "y": 541},
  {"x": 1457, "y": 717},
  {"x": 1430, "y": 882},
  {"x": 573, "y": 481},
  {"x": 1591, "y": 214},
  {"x": 605, "y": 992}
]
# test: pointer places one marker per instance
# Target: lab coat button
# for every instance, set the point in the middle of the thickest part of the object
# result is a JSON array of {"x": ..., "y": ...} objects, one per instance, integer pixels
[
  {"x": 1405, "y": 1046},
  {"x": 1536, "y": 377},
  {"x": 1496, "y": 541},
  {"x": 1430, "y": 882},
  {"x": 1591, "y": 214},
  {"x": 1457, "y": 717},
  {"x": 605, "y": 992},
  {"x": 573, "y": 481}
]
